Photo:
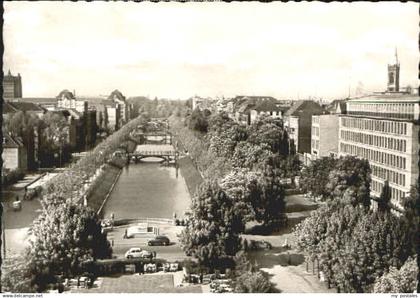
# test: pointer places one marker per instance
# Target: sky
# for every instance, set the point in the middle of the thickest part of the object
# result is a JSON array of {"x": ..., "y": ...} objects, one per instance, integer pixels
[{"x": 178, "y": 50}]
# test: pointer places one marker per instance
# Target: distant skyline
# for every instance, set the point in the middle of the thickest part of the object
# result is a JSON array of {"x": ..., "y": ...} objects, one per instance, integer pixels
[{"x": 178, "y": 50}]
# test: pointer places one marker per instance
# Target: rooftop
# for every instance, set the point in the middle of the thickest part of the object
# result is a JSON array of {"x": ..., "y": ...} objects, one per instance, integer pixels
[
  {"x": 11, "y": 142},
  {"x": 301, "y": 105},
  {"x": 387, "y": 97},
  {"x": 116, "y": 94},
  {"x": 26, "y": 106},
  {"x": 65, "y": 94}
]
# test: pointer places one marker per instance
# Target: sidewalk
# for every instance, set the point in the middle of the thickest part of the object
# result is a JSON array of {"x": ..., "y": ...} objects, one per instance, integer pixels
[
  {"x": 27, "y": 180},
  {"x": 16, "y": 241},
  {"x": 294, "y": 279}
]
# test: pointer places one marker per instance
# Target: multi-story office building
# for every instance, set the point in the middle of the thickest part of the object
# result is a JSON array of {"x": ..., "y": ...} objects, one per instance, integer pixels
[
  {"x": 383, "y": 128},
  {"x": 12, "y": 86},
  {"x": 324, "y": 135}
]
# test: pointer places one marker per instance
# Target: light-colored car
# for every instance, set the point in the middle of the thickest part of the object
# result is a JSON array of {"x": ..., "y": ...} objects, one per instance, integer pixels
[{"x": 138, "y": 253}]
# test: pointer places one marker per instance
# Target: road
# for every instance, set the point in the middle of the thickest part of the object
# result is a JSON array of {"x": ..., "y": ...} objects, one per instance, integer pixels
[{"x": 172, "y": 253}]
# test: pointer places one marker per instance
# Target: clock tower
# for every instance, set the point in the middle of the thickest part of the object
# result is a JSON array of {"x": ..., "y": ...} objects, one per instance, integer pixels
[{"x": 394, "y": 75}]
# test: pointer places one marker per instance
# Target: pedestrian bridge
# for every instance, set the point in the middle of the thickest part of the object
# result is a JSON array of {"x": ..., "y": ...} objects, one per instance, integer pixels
[{"x": 164, "y": 151}]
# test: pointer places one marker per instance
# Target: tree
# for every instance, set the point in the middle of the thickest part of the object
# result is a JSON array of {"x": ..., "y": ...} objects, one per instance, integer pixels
[
  {"x": 212, "y": 233},
  {"x": 315, "y": 177},
  {"x": 20, "y": 123},
  {"x": 267, "y": 198},
  {"x": 16, "y": 276},
  {"x": 285, "y": 166},
  {"x": 198, "y": 121},
  {"x": 238, "y": 186},
  {"x": 247, "y": 155},
  {"x": 223, "y": 140},
  {"x": 385, "y": 198},
  {"x": 65, "y": 235},
  {"x": 350, "y": 179},
  {"x": 403, "y": 280},
  {"x": 266, "y": 131},
  {"x": 56, "y": 134},
  {"x": 254, "y": 282},
  {"x": 354, "y": 245}
]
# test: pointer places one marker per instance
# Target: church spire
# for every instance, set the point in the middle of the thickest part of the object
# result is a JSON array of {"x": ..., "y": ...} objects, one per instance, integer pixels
[{"x": 394, "y": 75}]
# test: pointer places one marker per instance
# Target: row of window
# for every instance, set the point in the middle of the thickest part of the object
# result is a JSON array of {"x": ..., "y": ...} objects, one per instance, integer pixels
[
  {"x": 396, "y": 194},
  {"x": 385, "y": 174},
  {"x": 384, "y": 115},
  {"x": 373, "y": 155},
  {"x": 383, "y": 108},
  {"x": 375, "y": 125},
  {"x": 378, "y": 141},
  {"x": 315, "y": 131},
  {"x": 315, "y": 144}
]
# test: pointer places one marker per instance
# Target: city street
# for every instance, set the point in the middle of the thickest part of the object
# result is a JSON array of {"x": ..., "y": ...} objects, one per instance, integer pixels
[
  {"x": 276, "y": 144},
  {"x": 171, "y": 253}
]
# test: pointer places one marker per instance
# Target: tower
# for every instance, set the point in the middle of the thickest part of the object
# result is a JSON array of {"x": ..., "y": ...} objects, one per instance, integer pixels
[
  {"x": 394, "y": 75},
  {"x": 12, "y": 86}
]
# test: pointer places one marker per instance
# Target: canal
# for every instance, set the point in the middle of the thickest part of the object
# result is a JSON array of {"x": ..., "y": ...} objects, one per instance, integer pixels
[{"x": 148, "y": 189}]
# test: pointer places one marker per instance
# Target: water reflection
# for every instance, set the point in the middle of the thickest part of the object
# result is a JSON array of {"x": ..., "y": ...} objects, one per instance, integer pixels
[{"x": 148, "y": 189}]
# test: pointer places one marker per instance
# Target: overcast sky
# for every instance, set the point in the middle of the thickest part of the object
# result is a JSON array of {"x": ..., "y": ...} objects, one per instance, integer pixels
[{"x": 178, "y": 50}]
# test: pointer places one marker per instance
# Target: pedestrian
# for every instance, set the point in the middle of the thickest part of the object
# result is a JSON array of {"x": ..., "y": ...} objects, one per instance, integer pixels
[
  {"x": 125, "y": 234},
  {"x": 154, "y": 254},
  {"x": 201, "y": 277},
  {"x": 112, "y": 220}
]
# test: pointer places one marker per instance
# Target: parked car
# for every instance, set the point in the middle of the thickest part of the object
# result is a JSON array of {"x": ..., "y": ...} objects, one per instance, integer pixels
[
  {"x": 170, "y": 267},
  {"x": 159, "y": 240},
  {"x": 259, "y": 245},
  {"x": 150, "y": 268},
  {"x": 17, "y": 205},
  {"x": 138, "y": 253},
  {"x": 173, "y": 267}
]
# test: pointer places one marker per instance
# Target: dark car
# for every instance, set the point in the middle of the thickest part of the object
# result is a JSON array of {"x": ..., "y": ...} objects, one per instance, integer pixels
[{"x": 159, "y": 240}]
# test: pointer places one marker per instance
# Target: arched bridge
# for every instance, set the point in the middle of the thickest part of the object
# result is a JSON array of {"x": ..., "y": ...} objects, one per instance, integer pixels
[{"x": 165, "y": 152}]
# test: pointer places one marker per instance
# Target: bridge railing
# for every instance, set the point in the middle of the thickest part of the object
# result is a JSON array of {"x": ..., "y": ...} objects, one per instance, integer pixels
[
  {"x": 154, "y": 153},
  {"x": 156, "y": 220}
]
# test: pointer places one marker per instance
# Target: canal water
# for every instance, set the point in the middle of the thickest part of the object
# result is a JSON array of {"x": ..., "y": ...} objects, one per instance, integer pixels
[{"x": 148, "y": 189}]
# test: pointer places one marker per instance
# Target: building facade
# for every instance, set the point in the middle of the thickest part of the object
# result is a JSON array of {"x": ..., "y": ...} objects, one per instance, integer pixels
[
  {"x": 247, "y": 109},
  {"x": 298, "y": 122},
  {"x": 66, "y": 100},
  {"x": 12, "y": 86},
  {"x": 324, "y": 135},
  {"x": 14, "y": 153},
  {"x": 384, "y": 128},
  {"x": 81, "y": 119},
  {"x": 112, "y": 115},
  {"x": 124, "y": 108}
]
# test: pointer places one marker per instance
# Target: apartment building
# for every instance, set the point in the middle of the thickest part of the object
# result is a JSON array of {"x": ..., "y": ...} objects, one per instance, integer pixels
[
  {"x": 324, "y": 135},
  {"x": 298, "y": 122}
]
